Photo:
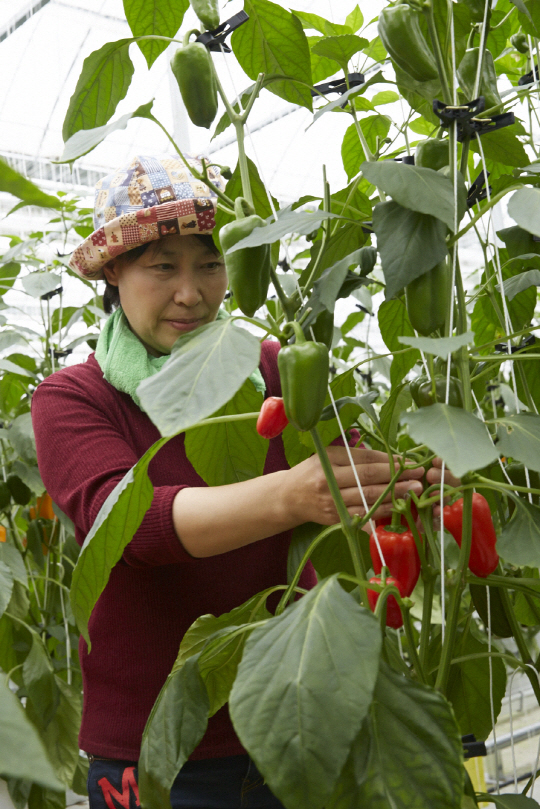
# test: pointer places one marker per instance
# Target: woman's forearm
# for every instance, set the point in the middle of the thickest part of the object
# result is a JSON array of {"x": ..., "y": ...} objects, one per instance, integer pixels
[{"x": 214, "y": 520}]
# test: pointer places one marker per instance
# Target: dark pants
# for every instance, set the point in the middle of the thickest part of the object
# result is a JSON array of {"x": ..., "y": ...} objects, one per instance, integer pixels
[{"x": 217, "y": 783}]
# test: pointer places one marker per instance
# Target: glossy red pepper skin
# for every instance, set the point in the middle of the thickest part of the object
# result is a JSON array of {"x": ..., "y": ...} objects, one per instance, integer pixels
[
  {"x": 483, "y": 558},
  {"x": 400, "y": 554},
  {"x": 272, "y": 419},
  {"x": 394, "y": 618}
]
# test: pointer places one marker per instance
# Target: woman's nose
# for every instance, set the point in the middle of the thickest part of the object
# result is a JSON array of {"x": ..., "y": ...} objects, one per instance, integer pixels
[{"x": 186, "y": 291}]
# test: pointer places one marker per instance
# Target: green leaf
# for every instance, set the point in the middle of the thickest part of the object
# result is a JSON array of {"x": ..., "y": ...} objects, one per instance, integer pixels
[
  {"x": 60, "y": 735},
  {"x": 458, "y": 437},
  {"x": 225, "y": 122},
  {"x": 439, "y": 346},
  {"x": 174, "y": 728},
  {"x": 343, "y": 242},
  {"x": 287, "y": 222},
  {"x": 37, "y": 284},
  {"x": 39, "y": 680},
  {"x": 408, "y": 753},
  {"x": 399, "y": 400},
  {"x": 519, "y": 542},
  {"x": 508, "y": 801},
  {"x": 318, "y": 23},
  {"x": 119, "y": 517},
  {"x": 103, "y": 83},
  {"x": 385, "y": 97},
  {"x": 14, "y": 183},
  {"x": 417, "y": 189},
  {"x": 352, "y": 153},
  {"x": 327, "y": 288},
  {"x": 393, "y": 322},
  {"x": 340, "y": 48},
  {"x": 157, "y": 18},
  {"x": 83, "y": 141},
  {"x": 467, "y": 688},
  {"x": 232, "y": 451},
  {"x": 321, "y": 68},
  {"x": 519, "y": 438},
  {"x": 204, "y": 371},
  {"x": 503, "y": 147},
  {"x": 355, "y": 19},
  {"x": 338, "y": 102},
  {"x": 6, "y": 586},
  {"x": 11, "y": 557},
  {"x": 302, "y": 690},
  {"x": 22, "y": 754},
  {"x": 513, "y": 286},
  {"x": 524, "y": 208},
  {"x": 526, "y": 607},
  {"x": 409, "y": 243},
  {"x": 234, "y": 189},
  {"x": 272, "y": 41}
]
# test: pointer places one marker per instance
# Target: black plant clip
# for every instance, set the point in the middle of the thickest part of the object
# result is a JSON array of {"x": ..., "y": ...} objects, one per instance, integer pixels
[
  {"x": 367, "y": 227},
  {"x": 473, "y": 748},
  {"x": 502, "y": 348},
  {"x": 338, "y": 85},
  {"x": 215, "y": 40},
  {"x": 48, "y": 295},
  {"x": 465, "y": 116},
  {"x": 59, "y": 354},
  {"x": 408, "y": 159},
  {"x": 528, "y": 78},
  {"x": 477, "y": 192}
]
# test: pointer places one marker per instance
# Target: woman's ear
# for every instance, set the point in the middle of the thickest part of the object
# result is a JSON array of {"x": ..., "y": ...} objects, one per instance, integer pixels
[{"x": 110, "y": 271}]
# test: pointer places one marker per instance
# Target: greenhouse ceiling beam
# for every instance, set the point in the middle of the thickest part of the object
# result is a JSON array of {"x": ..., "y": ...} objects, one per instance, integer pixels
[{"x": 21, "y": 18}]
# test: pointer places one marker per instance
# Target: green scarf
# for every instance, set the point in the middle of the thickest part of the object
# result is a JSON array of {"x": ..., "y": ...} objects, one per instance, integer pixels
[{"x": 125, "y": 362}]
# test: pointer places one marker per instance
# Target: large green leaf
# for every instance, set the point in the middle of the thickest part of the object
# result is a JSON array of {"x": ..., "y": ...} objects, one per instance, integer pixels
[
  {"x": 303, "y": 688},
  {"x": 321, "y": 68},
  {"x": 204, "y": 371},
  {"x": 118, "y": 519},
  {"x": 408, "y": 753},
  {"x": 318, "y": 23},
  {"x": 175, "y": 727},
  {"x": 393, "y": 323},
  {"x": 340, "y": 48},
  {"x": 272, "y": 41},
  {"x": 519, "y": 542},
  {"x": 519, "y": 438},
  {"x": 40, "y": 682},
  {"x": 60, "y": 735},
  {"x": 6, "y": 586},
  {"x": 342, "y": 243},
  {"x": 157, "y": 18},
  {"x": 409, "y": 243},
  {"x": 439, "y": 346},
  {"x": 467, "y": 688},
  {"x": 524, "y": 208},
  {"x": 398, "y": 401},
  {"x": 231, "y": 451},
  {"x": 85, "y": 140},
  {"x": 461, "y": 439},
  {"x": 103, "y": 83},
  {"x": 516, "y": 284},
  {"x": 352, "y": 153},
  {"x": 22, "y": 754},
  {"x": 302, "y": 222},
  {"x": 508, "y": 801},
  {"x": 503, "y": 147},
  {"x": 417, "y": 189},
  {"x": 14, "y": 183}
]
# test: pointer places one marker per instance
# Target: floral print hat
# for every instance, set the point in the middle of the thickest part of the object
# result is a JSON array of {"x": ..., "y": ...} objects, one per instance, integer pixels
[{"x": 146, "y": 200}]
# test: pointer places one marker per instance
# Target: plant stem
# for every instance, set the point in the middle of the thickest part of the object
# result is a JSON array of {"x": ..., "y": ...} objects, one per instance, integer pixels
[
  {"x": 443, "y": 76},
  {"x": 411, "y": 646},
  {"x": 428, "y": 579},
  {"x": 344, "y": 516},
  {"x": 494, "y": 200}
]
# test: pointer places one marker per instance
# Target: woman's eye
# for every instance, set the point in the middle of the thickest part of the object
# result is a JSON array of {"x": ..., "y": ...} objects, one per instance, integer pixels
[
  {"x": 164, "y": 267},
  {"x": 213, "y": 265}
]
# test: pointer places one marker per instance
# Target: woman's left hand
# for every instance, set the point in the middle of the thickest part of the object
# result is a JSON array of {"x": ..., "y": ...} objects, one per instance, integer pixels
[{"x": 434, "y": 475}]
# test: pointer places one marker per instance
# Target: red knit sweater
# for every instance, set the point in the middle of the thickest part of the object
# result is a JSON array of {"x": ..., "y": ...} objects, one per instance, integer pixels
[{"x": 88, "y": 435}]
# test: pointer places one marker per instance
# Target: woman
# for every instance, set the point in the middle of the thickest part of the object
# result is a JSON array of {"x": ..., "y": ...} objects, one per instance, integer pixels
[{"x": 198, "y": 550}]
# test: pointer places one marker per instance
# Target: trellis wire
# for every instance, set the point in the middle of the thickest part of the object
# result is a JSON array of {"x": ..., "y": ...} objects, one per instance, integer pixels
[
  {"x": 287, "y": 255},
  {"x": 491, "y": 706}
]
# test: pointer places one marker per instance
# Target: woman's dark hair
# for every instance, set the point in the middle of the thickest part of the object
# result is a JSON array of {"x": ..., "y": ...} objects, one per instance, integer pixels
[{"x": 111, "y": 296}]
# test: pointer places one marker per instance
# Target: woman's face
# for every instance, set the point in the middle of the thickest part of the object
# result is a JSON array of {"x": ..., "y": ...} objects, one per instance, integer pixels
[{"x": 177, "y": 285}]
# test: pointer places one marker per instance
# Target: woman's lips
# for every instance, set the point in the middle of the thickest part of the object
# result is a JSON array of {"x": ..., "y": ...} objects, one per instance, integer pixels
[{"x": 185, "y": 325}]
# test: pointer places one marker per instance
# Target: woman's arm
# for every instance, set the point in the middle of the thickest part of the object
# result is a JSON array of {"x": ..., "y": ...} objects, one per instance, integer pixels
[{"x": 210, "y": 521}]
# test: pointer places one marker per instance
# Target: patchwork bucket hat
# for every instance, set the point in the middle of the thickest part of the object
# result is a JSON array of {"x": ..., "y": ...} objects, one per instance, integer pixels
[{"x": 148, "y": 199}]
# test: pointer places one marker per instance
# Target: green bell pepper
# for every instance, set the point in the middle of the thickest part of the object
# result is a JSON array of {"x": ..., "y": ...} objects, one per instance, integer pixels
[
  {"x": 401, "y": 35},
  {"x": 207, "y": 11},
  {"x": 422, "y": 391},
  {"x": 432, "y": 154},
  {"x": 426, "y": 300},
  {"x": 303, "y": 370},
  {"x": 194, "y": 72}
]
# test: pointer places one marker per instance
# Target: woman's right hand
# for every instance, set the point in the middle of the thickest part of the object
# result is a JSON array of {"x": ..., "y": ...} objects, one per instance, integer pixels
[{"x": 308, "y": 496}]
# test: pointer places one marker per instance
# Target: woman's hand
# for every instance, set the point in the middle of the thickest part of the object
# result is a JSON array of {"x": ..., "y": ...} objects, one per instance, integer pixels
[
  {"x": 309, "y": 498},
  {"x": 434, "y": 476}
]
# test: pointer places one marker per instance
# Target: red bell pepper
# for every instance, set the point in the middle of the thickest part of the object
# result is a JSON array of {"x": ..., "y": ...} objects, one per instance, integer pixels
[
  {"x": 272, "y": 419},
  {"x": 393, "y": 612},
  {"x": 483, "y": 558},
  {"x": 400, "y": 554}
]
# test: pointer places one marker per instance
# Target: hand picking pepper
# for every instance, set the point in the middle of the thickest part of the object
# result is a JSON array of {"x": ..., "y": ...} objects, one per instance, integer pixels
[
  {"x": 393, "y": 612},
  {"x": 426, "y": 300},
  {"x": 303, "y": 370},
  {"x": 483, "y": 558},
  {"x": 401, "y": 35},
  {"x": 248, "y": 269},
  {"x": 193, "y": 70},
  {"x": 422, "y": 391},
  {"x": 272, "y": 419},
  {"x": 207, "y": 11},
  {"x": 400, "y": 554}
]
